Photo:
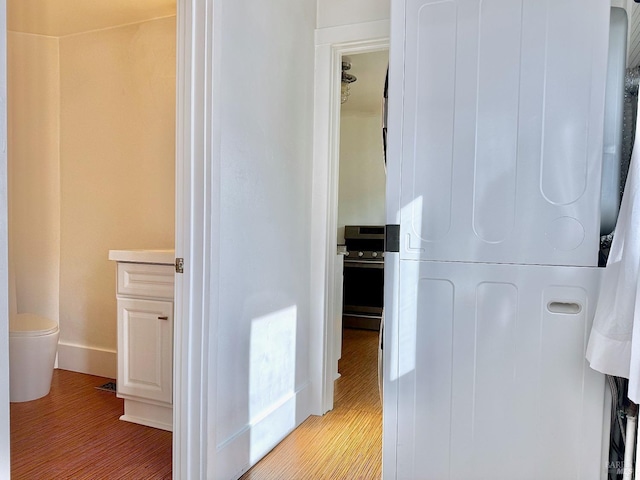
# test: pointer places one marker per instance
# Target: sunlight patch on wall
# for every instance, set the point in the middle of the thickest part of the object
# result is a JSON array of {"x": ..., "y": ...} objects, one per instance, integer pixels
[{"x": 272, "y": 407}]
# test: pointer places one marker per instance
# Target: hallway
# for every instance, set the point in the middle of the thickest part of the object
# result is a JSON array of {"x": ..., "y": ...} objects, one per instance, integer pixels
[{"x": 346, "y": 443}]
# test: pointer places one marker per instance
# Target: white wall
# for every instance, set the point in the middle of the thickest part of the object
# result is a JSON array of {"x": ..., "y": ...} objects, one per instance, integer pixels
[
  {"x": 34, "y": 171},
  {"x": 332, "y": 13},
  {"x": 259, "y": 378},
  {"x": 361, "y": 191},
  {"x": 117, "y": 155}
]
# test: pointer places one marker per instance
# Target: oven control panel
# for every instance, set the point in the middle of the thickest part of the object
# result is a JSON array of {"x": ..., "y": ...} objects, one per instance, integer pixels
[{"x": 364, "y": 255}]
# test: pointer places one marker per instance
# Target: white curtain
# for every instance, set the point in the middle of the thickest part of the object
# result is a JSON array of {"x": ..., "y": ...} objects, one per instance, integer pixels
[{"x": 614, "y": 344}]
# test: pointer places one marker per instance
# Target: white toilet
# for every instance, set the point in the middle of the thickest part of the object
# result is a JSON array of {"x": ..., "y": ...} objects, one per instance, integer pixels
[{"x": 33, "y": 343}]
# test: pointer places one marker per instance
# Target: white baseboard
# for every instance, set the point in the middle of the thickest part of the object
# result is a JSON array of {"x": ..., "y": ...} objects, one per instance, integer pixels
[
  {"x": 90, "y": 360},
  {"x": 142, "y": 413}
]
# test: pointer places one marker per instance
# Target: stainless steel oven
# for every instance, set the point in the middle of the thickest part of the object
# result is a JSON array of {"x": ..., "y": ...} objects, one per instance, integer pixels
[{"x": 363, "y": 277}]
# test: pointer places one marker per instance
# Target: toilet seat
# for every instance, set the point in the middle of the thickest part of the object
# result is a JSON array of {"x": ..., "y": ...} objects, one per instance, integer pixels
[{"x": 31, "y": 325}]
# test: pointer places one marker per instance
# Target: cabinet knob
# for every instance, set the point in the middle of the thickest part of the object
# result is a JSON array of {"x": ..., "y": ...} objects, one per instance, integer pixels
[{"x": 163, "y": 318}]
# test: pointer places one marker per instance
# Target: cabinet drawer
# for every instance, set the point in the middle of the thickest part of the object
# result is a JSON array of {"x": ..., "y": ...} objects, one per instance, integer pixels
[{"x": 145, "y": 280}]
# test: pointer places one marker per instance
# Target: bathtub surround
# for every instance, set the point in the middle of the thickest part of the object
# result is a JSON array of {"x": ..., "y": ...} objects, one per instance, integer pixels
[{"x": 91, "y": 142}]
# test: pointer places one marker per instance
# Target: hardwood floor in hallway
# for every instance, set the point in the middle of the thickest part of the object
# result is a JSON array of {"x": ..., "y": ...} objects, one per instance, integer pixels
[
  {"x": 346, "y": 443},
  {"x": 75, "y": 433}
]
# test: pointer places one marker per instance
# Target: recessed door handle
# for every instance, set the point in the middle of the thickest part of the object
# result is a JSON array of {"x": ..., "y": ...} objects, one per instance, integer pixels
[
  {"x": 163, "y": 318},
  {"x": 565, "y": 308}
]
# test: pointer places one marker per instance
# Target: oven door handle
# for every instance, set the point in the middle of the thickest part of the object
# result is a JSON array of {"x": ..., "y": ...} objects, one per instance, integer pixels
[{"x": 363, "y": 264}]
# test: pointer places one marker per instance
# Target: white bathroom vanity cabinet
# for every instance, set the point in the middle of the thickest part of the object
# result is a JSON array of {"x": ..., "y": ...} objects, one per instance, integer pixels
[{"x": 144, "y": 290}]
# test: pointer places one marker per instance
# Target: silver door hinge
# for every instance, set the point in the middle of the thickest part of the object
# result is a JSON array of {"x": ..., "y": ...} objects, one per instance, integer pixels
[{"x": 179, "y": 265}]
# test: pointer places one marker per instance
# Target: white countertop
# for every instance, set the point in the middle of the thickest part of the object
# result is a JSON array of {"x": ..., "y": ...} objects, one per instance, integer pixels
[{"x": 163, "y": 257}]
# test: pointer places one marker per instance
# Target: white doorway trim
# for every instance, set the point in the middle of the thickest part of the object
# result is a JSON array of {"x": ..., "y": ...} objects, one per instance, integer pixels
[
  {"x": 194, "y": 40},
  {"x": 5, "y": 457},
  {"x": 196, "y": 208},
  {"x": 196, "y": 144},
  {"x": 331, "y": 44}
]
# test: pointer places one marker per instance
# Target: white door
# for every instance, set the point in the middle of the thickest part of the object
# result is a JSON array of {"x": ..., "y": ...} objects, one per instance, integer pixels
[{"x": 495, "y": 147}]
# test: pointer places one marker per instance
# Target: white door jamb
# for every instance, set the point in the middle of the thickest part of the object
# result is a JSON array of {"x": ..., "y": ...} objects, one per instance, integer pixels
[
  {"x": 196, "y": 217},
  {"x": 331, "y": 44}
]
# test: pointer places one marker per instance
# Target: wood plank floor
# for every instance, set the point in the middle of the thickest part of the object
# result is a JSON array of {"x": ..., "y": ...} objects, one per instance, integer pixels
[
  {"x": 75, "y": 433},
  {"x": 346, "y": 443}
]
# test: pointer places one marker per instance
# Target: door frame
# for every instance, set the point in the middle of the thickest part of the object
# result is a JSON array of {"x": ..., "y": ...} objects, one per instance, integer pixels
[
  {"x": 197, "y": 207},
  {"x": 196, "y": 143},
  {"x": 5, "y": 458},
  {"x": 330, "y": 45}
]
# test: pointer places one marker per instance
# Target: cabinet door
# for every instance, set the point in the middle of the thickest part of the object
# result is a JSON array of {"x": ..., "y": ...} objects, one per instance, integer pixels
[{"x": 145, "y": 349}]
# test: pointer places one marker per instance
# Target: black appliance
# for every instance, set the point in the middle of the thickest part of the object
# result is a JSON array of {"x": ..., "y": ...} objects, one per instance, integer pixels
[{"x": 363, "y": 292}]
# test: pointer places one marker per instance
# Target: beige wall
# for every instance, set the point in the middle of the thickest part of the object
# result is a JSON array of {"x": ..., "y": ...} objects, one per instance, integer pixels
[
  {"x": 34, "y": 171},
  {"x": 117, "y": 150},
  {"x": 361, "y": 191},
  {"x": 92, "y": 154}
]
